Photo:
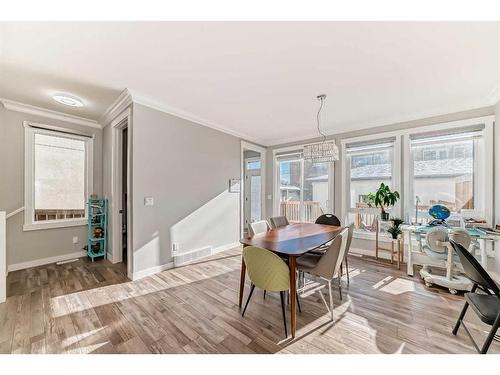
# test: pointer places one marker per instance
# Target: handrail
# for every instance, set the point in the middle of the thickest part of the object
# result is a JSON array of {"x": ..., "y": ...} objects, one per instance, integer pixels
[{"x": 15, "y": 212}]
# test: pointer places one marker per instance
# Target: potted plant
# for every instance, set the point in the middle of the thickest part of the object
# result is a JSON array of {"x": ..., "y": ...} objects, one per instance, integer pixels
[
  {"x": 395, "y": 230},
  {"x": 383, "y": 198}
]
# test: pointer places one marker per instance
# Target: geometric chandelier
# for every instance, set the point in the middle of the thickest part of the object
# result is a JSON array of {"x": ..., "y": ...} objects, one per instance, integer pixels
[{"x": 324, "y": 151}]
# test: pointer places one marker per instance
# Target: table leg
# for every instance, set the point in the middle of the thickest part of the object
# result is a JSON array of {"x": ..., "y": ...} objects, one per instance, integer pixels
[
  {"x": 292, "y": 262},
  {"x": 242, "y": 279}
]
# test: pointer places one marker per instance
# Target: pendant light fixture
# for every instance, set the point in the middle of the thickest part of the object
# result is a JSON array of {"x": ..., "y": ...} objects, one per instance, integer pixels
[{"x": 324, "y": 151}]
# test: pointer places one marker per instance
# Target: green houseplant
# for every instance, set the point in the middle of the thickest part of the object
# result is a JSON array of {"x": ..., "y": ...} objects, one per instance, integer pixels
[
  {"x": 395, "y": 230},
  {"x": 383, "y": 198}
]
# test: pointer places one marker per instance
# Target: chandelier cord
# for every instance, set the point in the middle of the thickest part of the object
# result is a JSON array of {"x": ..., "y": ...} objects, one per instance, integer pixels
[{"x": 317, "y": 118}]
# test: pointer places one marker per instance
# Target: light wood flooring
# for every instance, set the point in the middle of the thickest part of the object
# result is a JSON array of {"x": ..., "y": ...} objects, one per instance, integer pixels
[{"x": 85, "y": 307}]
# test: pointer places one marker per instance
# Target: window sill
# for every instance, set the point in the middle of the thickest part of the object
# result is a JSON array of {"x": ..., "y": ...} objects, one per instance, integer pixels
[{"x": 55, "y": 224}]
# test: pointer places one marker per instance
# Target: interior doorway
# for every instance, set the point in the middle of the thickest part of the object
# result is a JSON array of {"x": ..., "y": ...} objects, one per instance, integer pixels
[
  {"x": 253, "y": 185},
  {"x": 121, "y": 222}
]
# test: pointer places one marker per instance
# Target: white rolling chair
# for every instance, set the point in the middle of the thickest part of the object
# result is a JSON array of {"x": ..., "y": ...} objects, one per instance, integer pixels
[{"x": 441, "y": 255}]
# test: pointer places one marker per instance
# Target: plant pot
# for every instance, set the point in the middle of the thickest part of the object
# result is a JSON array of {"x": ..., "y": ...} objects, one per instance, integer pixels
[
  {"x": 384, "y": 216},
  {"x": 394, "y": 236}
]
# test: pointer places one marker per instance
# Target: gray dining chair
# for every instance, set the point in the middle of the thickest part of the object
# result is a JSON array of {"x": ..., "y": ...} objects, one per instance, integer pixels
[
  {"x": 350, "y": 233},
  {"x": 257, "y": 227},
  {"x": 326, "y": 267},
  {"x": 278, "y": 221}
]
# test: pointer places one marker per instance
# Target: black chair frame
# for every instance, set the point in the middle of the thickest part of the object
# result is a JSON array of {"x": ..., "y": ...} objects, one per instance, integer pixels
[{"x": 482, "y": 281}]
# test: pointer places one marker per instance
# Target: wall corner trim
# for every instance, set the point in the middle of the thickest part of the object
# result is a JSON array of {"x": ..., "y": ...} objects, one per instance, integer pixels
[{"x": 48, "y": 113}]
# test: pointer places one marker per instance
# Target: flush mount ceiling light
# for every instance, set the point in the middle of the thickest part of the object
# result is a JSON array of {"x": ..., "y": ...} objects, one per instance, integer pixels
[
  {"x": 324, "y": 151},
  {"x": 70, "y": 100}
]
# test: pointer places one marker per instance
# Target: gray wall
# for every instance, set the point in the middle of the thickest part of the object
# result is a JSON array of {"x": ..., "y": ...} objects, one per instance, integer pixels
[
  {"x": 186, "y": 168},
  {"x": 39, "y": 244}
]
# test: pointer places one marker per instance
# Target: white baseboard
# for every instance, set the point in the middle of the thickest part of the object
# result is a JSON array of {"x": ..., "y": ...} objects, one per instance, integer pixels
[
  {"x": 229, "y": 246},
  {"x": 152, "y": 270},
  {"x": 43, "y": 261}
]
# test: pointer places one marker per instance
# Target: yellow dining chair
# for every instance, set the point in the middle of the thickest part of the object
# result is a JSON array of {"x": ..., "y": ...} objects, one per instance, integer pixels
[{"x": 266, "y": 271}]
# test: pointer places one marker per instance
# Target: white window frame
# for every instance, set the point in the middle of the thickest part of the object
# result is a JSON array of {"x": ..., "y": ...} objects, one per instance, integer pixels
[
  {"x": 486, "y": 170},
  {"x": 30, "y": 130},
  {"x": 298, "y": 149},
  {"x": 396, "y": 174}
]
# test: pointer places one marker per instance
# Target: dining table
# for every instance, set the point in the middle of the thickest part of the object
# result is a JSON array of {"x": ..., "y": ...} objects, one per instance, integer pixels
[{"x": 291, "y": 241}]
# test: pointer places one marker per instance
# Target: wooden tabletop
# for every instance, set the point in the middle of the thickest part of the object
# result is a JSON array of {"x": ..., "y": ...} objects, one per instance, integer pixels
[{"x": 294, "y": 239}]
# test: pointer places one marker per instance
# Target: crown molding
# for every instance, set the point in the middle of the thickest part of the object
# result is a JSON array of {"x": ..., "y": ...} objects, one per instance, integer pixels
[
  {"x": 118, "y": 106},
  {"x": 48, "y": 113},
  {"x": 193, "y": 118}
]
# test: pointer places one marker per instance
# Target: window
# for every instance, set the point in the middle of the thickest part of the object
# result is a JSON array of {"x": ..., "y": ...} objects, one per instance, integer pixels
[
  {"x": 58, "y": 176},
  {"x": 253, "y": 164},
  {"x": 367, "y": 166},
  {"x": 446, "y": 163},
  {"x": 455, "y": 179},
  {"x": 304, "y": 188}
]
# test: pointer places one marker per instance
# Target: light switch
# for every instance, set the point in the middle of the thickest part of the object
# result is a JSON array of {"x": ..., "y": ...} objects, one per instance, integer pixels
[
  {"x": 75, "y": 239},
  {"x": 149, "y": 201},
  {"x": 269, "y": 197}
]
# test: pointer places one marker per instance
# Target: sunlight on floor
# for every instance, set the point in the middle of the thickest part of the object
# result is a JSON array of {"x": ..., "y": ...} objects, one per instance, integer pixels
[
  {"x": 347, "y": 331},
  {"x": 79, "y": 337},
  {"x": 353, "y": 272},
  {"x": 395, "y": 286},
  {"x": 91, "y": 348},
  {"x": 80, "y": 301}
]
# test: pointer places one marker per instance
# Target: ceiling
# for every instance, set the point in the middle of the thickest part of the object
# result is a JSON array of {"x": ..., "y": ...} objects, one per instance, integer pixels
[{"x": 257, "y": 79}]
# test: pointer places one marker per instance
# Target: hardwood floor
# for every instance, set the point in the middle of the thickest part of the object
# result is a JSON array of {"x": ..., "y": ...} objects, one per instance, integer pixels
[{"x": 86, "y": 307}]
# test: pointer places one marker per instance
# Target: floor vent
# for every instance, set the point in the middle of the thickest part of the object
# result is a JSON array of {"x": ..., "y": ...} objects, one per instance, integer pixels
[{"x": 191, "y": 256}]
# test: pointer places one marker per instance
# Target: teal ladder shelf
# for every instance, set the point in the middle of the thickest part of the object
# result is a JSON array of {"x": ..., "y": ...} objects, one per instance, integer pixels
[{"x": 97, "y": 234}]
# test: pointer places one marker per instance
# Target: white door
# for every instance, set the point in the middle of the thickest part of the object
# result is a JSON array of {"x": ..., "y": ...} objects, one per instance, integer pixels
[{"x": 252, "y": 199}]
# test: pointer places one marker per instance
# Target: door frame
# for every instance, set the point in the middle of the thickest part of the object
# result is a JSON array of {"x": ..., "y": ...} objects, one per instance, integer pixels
[
  {"x": 246, "y": 146},
  {"x": 122, "y": 121}
]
